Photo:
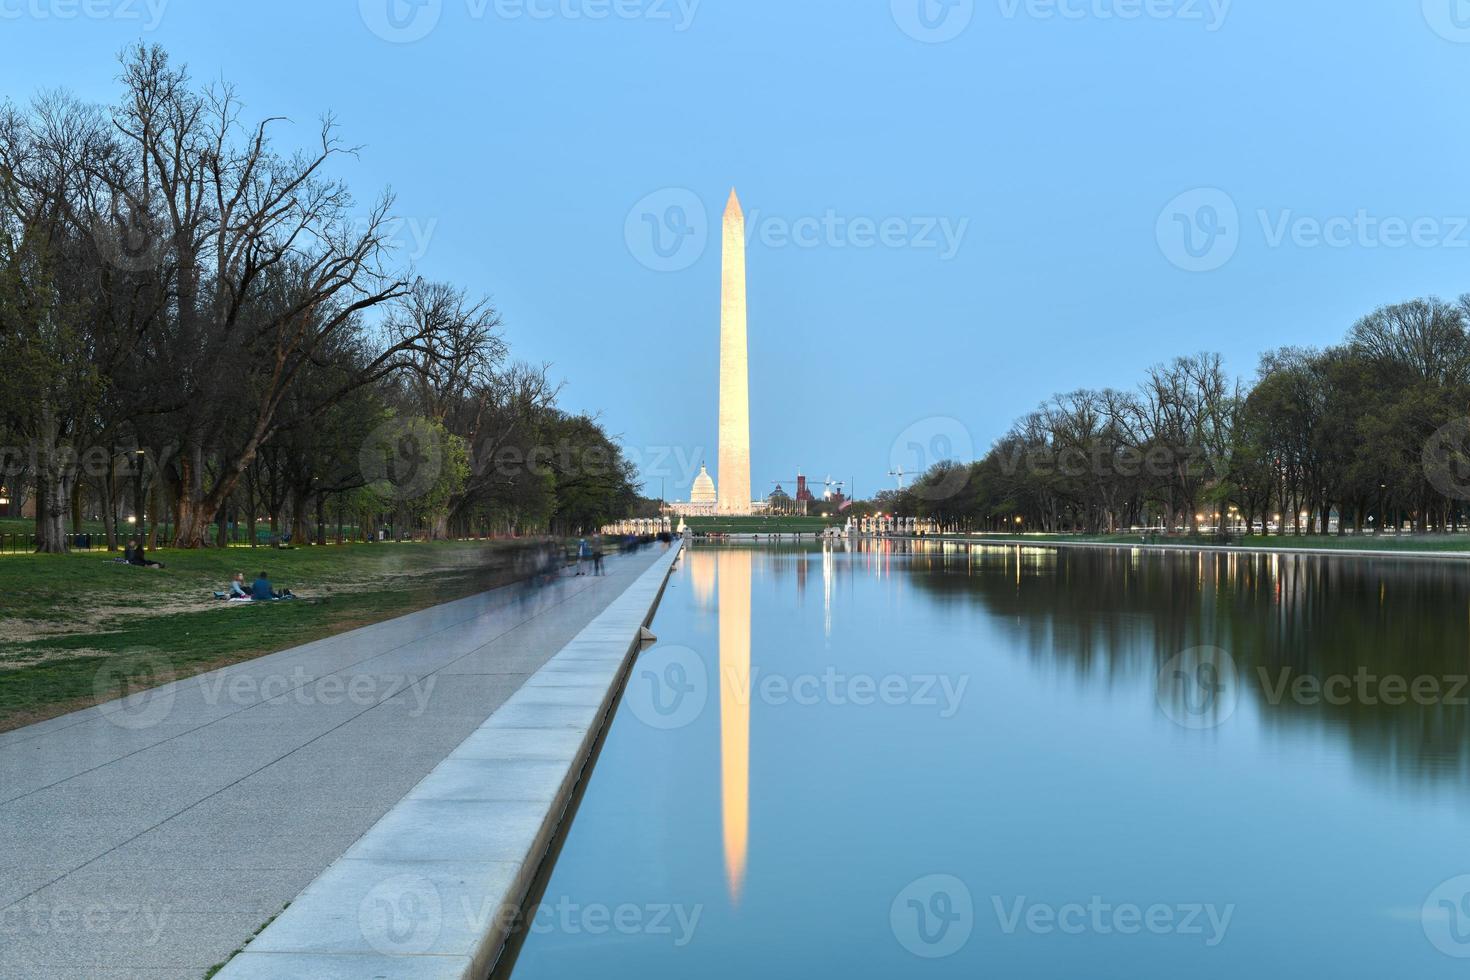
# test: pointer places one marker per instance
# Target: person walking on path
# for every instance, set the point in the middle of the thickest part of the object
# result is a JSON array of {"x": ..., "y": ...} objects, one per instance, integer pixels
[
  {"x": 584, "y": 551},
  {"x": 597, "y": 556}
]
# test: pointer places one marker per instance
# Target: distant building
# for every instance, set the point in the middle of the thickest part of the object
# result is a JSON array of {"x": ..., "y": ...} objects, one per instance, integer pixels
[{"x": 703, "y": 500}]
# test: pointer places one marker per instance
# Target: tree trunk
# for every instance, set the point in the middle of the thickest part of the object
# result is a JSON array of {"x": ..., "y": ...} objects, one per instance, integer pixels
[
  {"x": 154, "y": 508},
  {"x": 53, "y": 488},
  {"x": 51, "y": 500},
  {"x": 193, "y": 516}
]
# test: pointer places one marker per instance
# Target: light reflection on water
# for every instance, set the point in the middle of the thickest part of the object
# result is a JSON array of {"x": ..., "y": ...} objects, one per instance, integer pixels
[
  {"x": 1128, "y": 728},
  {"x": 734, "y": 583}
]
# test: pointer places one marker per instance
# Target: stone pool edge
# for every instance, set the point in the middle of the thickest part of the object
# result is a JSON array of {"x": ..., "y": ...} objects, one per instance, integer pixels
[
  {"x": 1228, "y": 549},
  {"x": 431, "y": 891}
]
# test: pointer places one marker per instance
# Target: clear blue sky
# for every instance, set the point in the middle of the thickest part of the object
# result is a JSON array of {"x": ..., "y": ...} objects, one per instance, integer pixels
[{"x": 522, "y": 133}]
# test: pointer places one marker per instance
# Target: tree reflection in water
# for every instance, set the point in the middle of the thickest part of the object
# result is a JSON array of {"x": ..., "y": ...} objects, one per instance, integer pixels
[{"x": 1372, "y": 628}]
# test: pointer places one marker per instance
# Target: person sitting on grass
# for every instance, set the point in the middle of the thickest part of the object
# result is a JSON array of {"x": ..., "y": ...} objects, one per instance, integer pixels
[
  {"x": 263, "y": 591},
  {"x": 133, "y": 555},
  {"x": 236, "y": 589}
]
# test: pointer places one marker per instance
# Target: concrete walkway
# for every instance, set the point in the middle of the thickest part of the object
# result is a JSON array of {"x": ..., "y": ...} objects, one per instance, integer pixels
[{"x": 151, "y": 837}]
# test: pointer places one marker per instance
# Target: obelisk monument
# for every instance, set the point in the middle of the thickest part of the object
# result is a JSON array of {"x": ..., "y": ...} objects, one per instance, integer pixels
[{"x": 733, "y": 477}]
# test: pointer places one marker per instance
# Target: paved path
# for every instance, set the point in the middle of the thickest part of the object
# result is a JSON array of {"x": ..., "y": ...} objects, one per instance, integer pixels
[
  {"x": 433, "y": 890},
  {"x": 152, "y": 837}
]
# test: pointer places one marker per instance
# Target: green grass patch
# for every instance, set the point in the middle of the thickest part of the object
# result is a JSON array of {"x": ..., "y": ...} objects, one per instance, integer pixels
[{"x": 79, "y": 629}]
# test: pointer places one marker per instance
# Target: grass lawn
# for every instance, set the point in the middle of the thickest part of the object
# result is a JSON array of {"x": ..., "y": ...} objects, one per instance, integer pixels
[
  {"x": 64, "y": 618},
  {"x": 761, "y": 525}
]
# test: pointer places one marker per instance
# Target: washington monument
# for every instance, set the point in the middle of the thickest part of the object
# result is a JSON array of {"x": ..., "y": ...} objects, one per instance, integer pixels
[{"x": 734, "y": 458}]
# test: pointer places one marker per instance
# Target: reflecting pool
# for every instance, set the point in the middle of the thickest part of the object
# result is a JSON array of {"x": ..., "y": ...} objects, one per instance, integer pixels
[{"x": 884, "y": 759}]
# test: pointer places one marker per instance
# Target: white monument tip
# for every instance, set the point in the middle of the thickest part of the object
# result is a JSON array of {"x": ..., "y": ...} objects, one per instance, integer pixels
[{"x": 732, "y": 207}]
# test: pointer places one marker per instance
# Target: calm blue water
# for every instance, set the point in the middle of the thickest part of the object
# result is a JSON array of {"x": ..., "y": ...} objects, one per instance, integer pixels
[{"x": 914, "y": 761}]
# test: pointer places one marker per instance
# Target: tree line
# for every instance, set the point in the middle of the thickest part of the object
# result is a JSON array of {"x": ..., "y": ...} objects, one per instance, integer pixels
[
  {"x": 1367, "y": 435},
  {"x": 199, "y": 325}
]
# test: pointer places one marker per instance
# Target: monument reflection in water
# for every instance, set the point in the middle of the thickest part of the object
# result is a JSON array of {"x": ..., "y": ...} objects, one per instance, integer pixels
[
  {"x": 1105, "y": 763},
  {"x": 734, "y": 586}
]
